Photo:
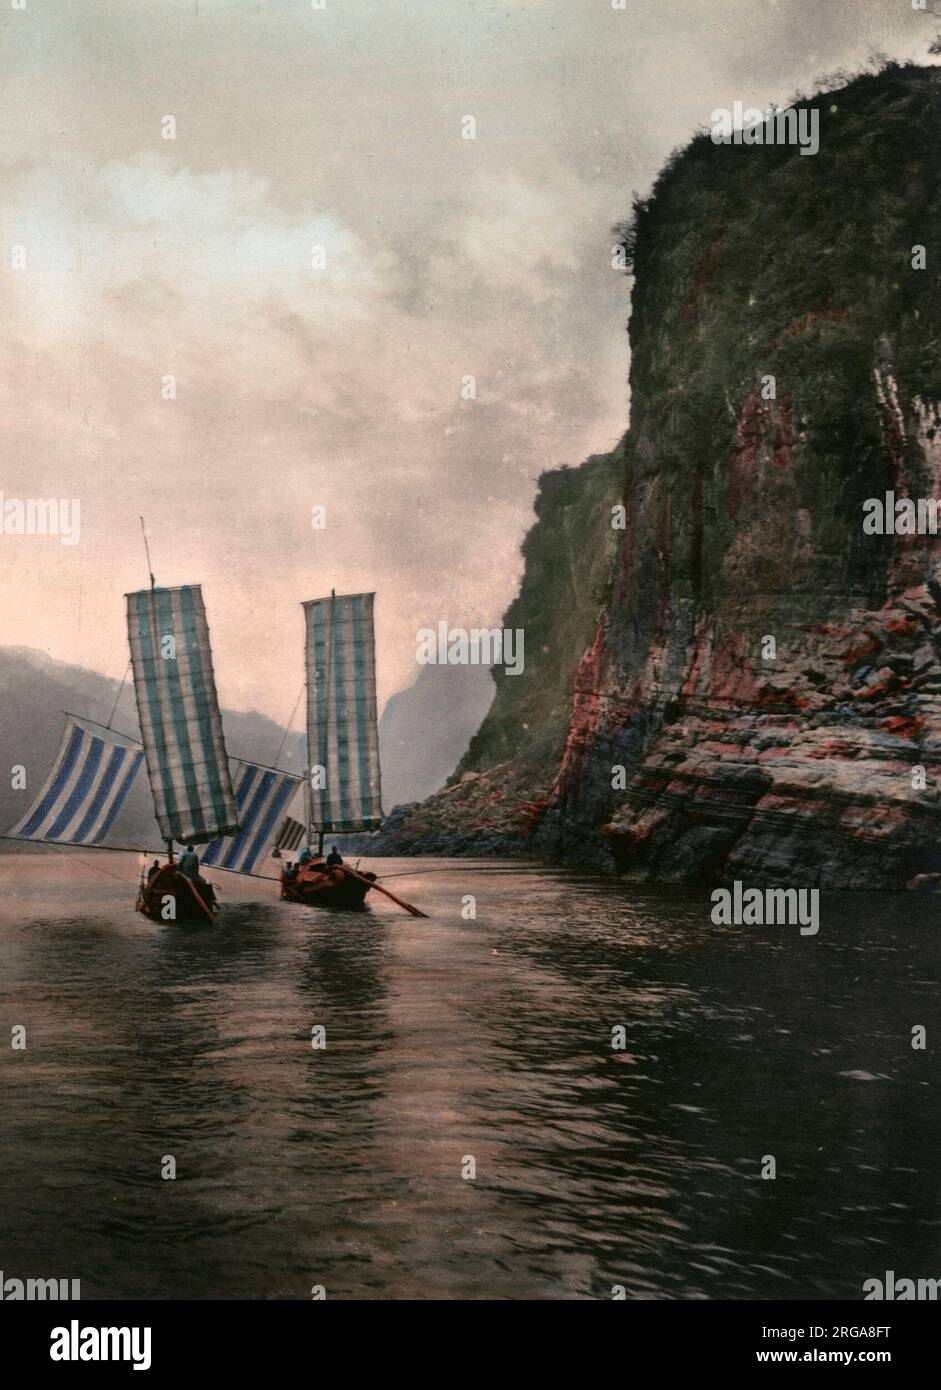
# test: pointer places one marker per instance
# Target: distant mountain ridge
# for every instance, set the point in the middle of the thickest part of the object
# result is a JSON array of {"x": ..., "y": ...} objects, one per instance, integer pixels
[
  {"x": 426, "y": 729},
  {"x": 35, "y": 689},
  {"x": 423, "y": 732}
]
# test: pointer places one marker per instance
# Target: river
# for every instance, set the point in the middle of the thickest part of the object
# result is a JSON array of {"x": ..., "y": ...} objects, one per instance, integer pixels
[{"x": 468, "y": 1130}]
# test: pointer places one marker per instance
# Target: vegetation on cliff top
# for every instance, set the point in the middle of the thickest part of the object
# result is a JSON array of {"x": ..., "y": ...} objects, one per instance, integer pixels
[{"x": 763, "y": 260}]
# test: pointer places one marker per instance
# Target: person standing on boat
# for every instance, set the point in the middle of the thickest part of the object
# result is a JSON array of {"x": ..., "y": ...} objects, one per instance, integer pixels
[
  {"x": 334, "y": 857},
  {"x": 154, "y": 869},
  {"x": 189, "y": 863},
  {"x": 305, "y": 855}
]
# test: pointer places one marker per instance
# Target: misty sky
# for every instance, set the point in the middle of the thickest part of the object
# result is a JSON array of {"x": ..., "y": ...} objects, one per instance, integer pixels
[{"x": 341, "y": 387}]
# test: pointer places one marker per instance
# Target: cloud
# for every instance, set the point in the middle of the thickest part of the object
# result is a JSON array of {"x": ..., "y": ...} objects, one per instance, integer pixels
[{"x": 445, "y": 258}]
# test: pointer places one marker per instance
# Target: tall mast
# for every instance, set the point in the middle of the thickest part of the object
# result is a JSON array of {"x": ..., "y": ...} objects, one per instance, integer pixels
[
  {"x": 327, "y": 725},
  {"x": 309, "y": 769},
  {"x": 147, "y": 553},
  {"x": 150, "y": 571},
  {"x": 331, "y": 702}
]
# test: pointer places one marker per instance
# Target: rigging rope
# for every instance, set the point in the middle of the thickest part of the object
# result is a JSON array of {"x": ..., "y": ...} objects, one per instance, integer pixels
[
  {"x": 483, "y": 869},
  {"x": 287, "y": 727},
  {"x": 118, "y": 696},
  {"x": 69, "y": 853},
  {"x": 87, "y": 864}
]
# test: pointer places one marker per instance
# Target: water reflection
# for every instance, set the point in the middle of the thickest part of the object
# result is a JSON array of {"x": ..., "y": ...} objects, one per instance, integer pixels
[{"x": 452, "y": 1040}]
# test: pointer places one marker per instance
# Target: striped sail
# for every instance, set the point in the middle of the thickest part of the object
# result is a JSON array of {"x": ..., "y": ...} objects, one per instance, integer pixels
[
  {"x": 291, "y": 835},
  {"x": 342, "y": 737},
  {"x": 263, "y": 796},
  {"x": 179, "y": 714},
  {"x": 86, "y": 788}
]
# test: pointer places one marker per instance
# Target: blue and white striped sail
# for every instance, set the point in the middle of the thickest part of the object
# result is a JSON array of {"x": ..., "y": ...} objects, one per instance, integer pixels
[
  {"x": 86, "y": 788},
  {"x": 342, "y": 734},
  {"x": 263, "y": 797},
  {"x": 179, "y": 714}
]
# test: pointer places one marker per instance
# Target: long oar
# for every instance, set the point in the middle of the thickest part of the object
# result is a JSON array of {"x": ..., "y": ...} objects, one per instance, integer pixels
[
  {"x": 371, "y": 883},
  {"x": 195, "y": 893}
]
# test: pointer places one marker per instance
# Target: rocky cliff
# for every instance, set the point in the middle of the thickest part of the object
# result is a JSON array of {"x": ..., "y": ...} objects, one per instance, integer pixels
[
  {"x": 501, "y": 788},
  {"x": 763, "y": 688}
]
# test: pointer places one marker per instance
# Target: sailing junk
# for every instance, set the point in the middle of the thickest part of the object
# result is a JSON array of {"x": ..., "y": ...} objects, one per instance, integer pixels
[
  {"x": 184, "y": 747},
  {"x": 344, "y": 793},
  {"x": 187, "y": 765},
  {"x": 242, "y": 812},
  {"x": 342, "y": 733},
  {"x": 261, "y": 795},
  {"x": 181, "y": 727}
]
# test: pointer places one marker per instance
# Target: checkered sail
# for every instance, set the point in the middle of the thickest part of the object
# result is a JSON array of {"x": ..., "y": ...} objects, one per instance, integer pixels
[
  {"x": 342, "y": 736},
  {"x": 179, "y": 714},
  {"x": 86, "y": 788},
  {"x": 262, "y": 795}
]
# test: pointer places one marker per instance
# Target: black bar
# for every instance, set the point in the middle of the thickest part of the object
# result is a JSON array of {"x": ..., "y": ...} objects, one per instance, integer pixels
[{"x": 243, "y": 1339}]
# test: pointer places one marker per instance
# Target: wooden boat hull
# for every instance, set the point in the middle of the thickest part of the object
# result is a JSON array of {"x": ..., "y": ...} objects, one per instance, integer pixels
[
  {"x": 192, "y": 902},
  {"x": 335, "y": 889}
]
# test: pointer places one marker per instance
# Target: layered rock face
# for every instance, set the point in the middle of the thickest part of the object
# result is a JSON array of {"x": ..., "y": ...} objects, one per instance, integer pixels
[
  {"x": 500, "y": 790},
  {"x": 762, "y": 686},
  {"x": 765, "y": 682}
]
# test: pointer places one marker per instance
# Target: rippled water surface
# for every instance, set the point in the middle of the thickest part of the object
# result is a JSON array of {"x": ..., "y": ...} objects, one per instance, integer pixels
[{"x": 450, "y": 1038}]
